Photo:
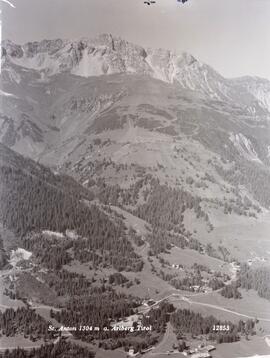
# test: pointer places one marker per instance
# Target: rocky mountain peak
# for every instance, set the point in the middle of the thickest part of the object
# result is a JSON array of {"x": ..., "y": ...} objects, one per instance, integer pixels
[{"x": 108, "y": 54}]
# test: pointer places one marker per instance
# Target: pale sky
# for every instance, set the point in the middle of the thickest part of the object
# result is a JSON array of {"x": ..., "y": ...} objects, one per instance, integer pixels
[{"x": 233, "y": 36}]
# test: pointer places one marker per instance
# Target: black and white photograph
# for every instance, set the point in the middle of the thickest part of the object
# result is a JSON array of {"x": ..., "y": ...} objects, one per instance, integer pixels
[{"x": 135, "y": 178}]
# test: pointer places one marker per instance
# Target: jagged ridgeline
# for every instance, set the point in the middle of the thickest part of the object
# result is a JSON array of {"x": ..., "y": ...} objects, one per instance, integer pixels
[
  {"x": 34, "y": 199},
  {"x": 161, "y": 135},
  {"x": 101, "y": 107}
]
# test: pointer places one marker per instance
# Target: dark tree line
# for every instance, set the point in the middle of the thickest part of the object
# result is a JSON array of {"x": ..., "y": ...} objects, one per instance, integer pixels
[
  {"x": 257, "y": 279},
  {"x": 136, "y": 238},
  {"x": 66, "y": 283},
  {"x": 186, "y": 321},
  {"x": 104, "y": 309},
  {"x": 185, "y": 283},
  {"x": 256, "y": 179},
  {"x": 159, "y": 317},
  {"x": 35, "y": 199},
  {"x": 49, "y": 251},
  {"x": 23, "y": 321},
  {"x": 100, "y": 308},
  {"x": 165, "y": 207},
  {"x": 117, "y": 279},
  {"x": 216, "y": 283},
  {"x": 231, "y": 291},
  {"x": 62, "y": 349},
  {"x": 139, "y": 340},
  {"x": 3, "y": 255},
  {"x": 53, "y": 252}
]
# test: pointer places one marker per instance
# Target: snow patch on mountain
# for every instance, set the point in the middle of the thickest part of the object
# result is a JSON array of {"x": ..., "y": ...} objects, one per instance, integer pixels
[{"x": 244, "y": 146}]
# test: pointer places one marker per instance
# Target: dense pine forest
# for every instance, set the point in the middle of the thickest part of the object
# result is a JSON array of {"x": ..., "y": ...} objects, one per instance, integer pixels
[
  {"x": 31, "y": 204},
  {"x": 103, "y": 310},
  {"x": 231, "y": 291},
  {"x": 53, "y": 253},
  {"x": 3, "y": 255},
  {"x": 165, "y": 207},
  {"x": 24, "y": 321},
  {"x": 68, "y": 284},
  {"x": 62, "y": 349},
  {"x": 138, "y": 340},
  {"x": 161, "y": 206},
  {"x": 186, "y": 321},
  {"x": 257, "y": 279},
  {"x": 185, "y": 283},
  {"x": 100, "y": 308},
  {"x": 255, "y": 179}
]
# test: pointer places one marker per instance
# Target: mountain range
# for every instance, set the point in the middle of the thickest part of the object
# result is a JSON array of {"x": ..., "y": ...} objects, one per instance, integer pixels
[
  {"x": 107, "y": 111},
  {"x": 106, "y": 54}
]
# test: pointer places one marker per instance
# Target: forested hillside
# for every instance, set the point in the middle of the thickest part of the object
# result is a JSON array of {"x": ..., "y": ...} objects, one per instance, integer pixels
[
  {"x": 33, "y": 201},
  {"x": 61, "y": 349},
  {"x": 186, "y": 321},
  {"x": 257, "y": 279},
  {"x": 24, "y": 321}
]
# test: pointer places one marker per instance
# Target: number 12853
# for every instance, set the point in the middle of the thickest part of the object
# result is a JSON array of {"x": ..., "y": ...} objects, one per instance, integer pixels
[{"x": 217, "y": 327}]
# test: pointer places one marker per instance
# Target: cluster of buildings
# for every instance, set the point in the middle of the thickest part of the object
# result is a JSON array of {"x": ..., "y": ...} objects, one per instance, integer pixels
[
  {"x": 148, "y": 303},
  {"x": 204, "y": 288},
  {"x": 200, "y": 352},
  {"x": 178, "y": 267}
]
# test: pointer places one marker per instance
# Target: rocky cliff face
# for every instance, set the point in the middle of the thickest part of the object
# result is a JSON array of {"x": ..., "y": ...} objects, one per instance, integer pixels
[{"x": 106, "y": 54}]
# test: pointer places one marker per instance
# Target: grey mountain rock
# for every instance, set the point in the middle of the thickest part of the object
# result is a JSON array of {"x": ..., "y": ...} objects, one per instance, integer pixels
[{"x": 107, "y": 54}]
